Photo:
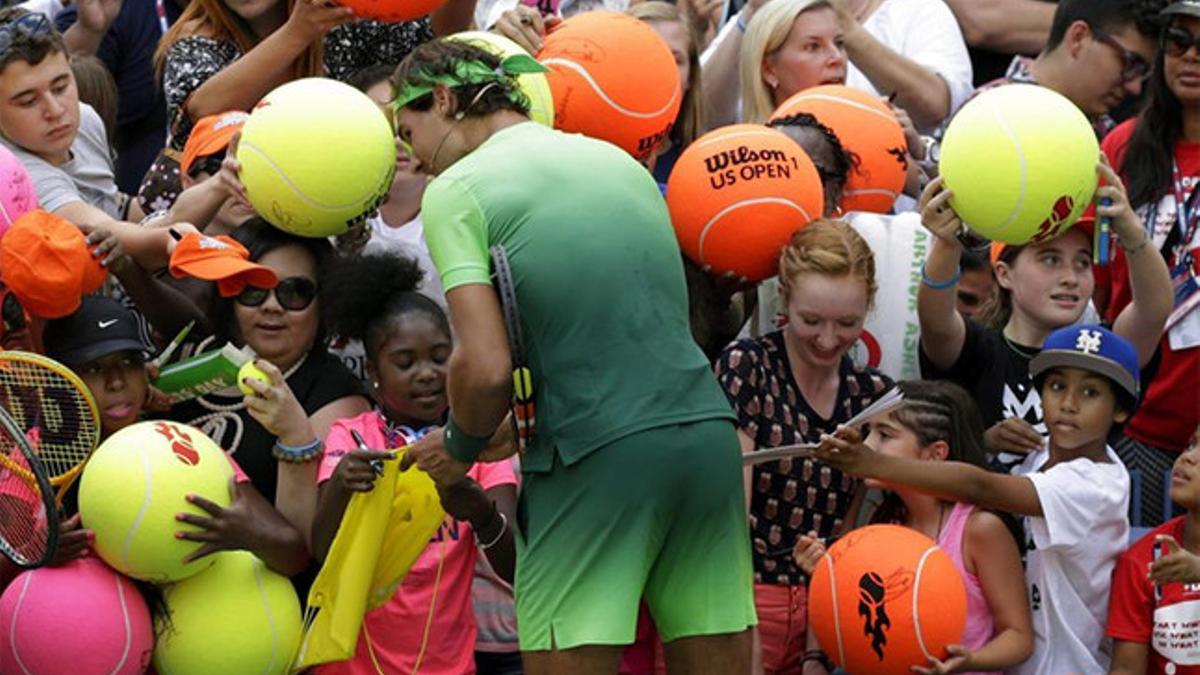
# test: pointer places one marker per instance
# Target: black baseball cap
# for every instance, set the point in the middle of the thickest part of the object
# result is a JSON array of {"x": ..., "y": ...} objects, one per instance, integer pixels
[
  {"x": 101, "y": 326},
  {"x": 1183, "y": 7}
]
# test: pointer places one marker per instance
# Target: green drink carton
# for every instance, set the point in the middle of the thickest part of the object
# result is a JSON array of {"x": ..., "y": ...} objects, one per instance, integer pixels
[{"x": 203, "y": 373}]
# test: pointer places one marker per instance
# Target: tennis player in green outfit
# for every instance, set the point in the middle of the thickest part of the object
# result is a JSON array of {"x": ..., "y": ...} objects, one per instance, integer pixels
[{"x": 633, "y": 479}]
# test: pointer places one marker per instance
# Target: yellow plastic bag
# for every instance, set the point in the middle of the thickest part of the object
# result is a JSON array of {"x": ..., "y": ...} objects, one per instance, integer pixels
[{"x": 381, "y": 535}]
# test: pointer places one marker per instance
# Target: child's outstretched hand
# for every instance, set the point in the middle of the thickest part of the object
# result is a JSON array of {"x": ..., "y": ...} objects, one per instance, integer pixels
[
  {"x": 958, "y": 661},
  {"x": 73, "y": 541},
  {"x": 1177, "y": 565},
  {"x": 844, "y": 449},
  {"x": 808, "y": 551}
]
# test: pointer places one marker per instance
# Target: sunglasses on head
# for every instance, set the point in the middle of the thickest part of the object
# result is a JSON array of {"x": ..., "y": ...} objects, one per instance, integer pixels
[
  {"x": 293, "y": 294},
  {"x": 34, "y": 24},
  {"x": 1133, "y": 66}
]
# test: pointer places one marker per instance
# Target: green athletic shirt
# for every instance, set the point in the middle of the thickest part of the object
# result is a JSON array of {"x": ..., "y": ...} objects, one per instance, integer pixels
[{"x": 599, "y": 283}]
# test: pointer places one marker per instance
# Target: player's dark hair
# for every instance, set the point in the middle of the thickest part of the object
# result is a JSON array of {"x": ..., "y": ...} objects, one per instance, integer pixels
[
  {"x": 365, "y": 78},
  {"x": 438, "y": 58},
  {"x": 370, "y": 292}
]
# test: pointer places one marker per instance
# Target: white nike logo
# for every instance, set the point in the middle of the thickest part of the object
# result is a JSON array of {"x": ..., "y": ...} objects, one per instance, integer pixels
[{"x": 106, "y": 324}]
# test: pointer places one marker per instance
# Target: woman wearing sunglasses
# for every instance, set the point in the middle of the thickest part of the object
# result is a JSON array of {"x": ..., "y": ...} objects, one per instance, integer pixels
[
  {"x": 1158, "y": 156},
  {"x": 274, "y": 433}
]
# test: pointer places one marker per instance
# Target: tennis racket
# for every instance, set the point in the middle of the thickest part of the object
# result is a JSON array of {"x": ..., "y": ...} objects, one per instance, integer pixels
[
  {"x": 523, "y": 410},
  {"x": 54, "y": 413},
  {"x": 28, "y": 513}
]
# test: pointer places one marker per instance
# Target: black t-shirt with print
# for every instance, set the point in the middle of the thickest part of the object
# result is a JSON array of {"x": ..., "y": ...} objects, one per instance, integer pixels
[
  {"x": 995, "y": 372},
  {"x": 319, "y": 381},
  {"x": 789, "y": 498}
]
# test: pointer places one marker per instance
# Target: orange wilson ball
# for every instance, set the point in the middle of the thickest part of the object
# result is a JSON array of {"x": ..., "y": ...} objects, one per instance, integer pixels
[
  {"x": 868, "y": 129},
  {"x": 886, "y": 598},
  {"x": 392, "y": 11},
  {"x": 612, "y": 78},
  {"x": 737, "y": 194}
]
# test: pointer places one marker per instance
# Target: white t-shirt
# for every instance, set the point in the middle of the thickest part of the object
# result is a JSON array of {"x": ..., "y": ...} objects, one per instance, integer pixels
[
  {"x": 1073, "y": 548},
  {"x": 409, "y": 240},
  {"x": 926, "y": 32},
  {"x": 86, "y": 177}
]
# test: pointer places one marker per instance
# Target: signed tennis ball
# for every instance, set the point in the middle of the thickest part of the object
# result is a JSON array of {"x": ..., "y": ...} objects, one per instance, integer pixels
[
  {"x": 1021, "y": 161},
  {"x": 135, "y": 483},
  {"x": 249, "y": 371}
]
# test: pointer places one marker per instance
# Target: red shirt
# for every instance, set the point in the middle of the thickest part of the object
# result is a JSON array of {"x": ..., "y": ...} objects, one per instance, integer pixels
[
  {"x": 1170, "y": 407},
  {"x": 1167, "y": 617}
]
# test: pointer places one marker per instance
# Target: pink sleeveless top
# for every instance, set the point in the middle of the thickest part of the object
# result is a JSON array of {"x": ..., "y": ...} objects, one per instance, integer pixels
[{"x": 979, "y": 629}]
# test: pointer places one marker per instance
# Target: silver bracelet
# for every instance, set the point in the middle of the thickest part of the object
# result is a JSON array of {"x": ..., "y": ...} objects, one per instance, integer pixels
[{"x": 503, "y": 527}]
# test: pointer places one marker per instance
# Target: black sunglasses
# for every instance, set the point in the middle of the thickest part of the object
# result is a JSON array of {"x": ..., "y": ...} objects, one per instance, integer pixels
[
  {"x": 1133, "y": 66},
  {"x": 293, "y": 294},
  {"x": 1177, "y": 40},
  {"x": 34, "y": 24}
]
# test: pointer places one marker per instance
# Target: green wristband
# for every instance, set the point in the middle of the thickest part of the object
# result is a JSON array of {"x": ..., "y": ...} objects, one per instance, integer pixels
[{"x": 462, "y": 446}]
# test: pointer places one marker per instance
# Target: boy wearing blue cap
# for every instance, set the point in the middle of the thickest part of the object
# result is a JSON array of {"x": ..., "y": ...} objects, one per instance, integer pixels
[{"x": 1073, "y": 493}]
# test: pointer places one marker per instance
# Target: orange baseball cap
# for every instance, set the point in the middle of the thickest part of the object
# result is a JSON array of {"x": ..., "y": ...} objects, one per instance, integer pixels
[
  {"x": 1086, "y": 223},
  {"x": 220, "y": 259},
  {"x": 211, "y": 135},
  {"x": 46, "y": 263}
]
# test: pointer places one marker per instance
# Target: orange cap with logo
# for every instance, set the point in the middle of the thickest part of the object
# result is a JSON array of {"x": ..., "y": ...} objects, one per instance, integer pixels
[
  {"x": 211, "y": 135},
  {"x": 1086, "y": 224},
  {"x": 46, "y": 263},
  {"x": 220, "y": 259}
]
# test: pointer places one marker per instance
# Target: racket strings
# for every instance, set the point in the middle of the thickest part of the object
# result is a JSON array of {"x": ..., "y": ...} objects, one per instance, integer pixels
[
  {"x": 54, "y": 409},
  {"x": 25, "y": 521}
]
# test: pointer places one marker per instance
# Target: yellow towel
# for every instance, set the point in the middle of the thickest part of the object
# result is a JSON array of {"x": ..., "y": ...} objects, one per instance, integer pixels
[{"x": 381, "y": 534}]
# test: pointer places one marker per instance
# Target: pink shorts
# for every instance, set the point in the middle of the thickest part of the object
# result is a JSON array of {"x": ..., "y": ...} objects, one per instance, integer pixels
[{"x": 782, "y": 621}]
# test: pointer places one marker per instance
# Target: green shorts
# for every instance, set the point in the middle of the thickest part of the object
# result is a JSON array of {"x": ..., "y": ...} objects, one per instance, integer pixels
[{"x": 658, "y": 515}]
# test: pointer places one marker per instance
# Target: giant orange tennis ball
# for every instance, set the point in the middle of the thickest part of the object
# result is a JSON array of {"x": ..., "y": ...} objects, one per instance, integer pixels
[
  {"x": 736, "y": 196},
  {"x": 1021, "y": 162},
  {"x": 886, "y": 598},
  {"x": 392, "y": 10},
  {"x": 868, "y": 129},
  {"x": 612, "y": 78}
]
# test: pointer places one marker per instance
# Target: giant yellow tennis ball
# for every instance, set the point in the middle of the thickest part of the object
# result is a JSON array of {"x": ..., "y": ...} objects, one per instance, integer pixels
[
  {"x": 133, "y": 486},
  {"x": 533, "y": 85},
  {"x": 235, "y": 617},
  {"x": 317, "y": 157},
  {"x": 1021, "y": 160}
]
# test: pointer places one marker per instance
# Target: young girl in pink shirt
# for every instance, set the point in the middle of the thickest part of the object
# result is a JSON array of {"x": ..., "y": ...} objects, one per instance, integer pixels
[
  {"x": 428, "y": 627},
  {"x": 938, "y": 421}
]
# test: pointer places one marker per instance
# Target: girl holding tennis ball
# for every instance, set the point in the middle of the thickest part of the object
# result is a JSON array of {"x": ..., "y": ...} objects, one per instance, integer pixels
[
  {"x": 937, "y": 422},
  {"x": 101, "y": 343},
  {"x": 1041, "y": 287},
  {"x": 407, "y": 341}
]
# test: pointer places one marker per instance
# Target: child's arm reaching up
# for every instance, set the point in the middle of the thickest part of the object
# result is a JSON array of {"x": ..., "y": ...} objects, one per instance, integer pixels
[{"x": 954, "y": 481}]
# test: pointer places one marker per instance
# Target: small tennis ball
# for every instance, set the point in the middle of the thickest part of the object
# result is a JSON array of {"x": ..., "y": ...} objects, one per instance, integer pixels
[
  {"x": 135, "y": 483},
  {"x": 249, "y": 371},
  {"x": 1021, "y": 161}
]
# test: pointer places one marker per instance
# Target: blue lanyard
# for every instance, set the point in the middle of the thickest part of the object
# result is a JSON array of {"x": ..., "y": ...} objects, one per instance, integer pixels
[{"x": 1187, "y": 216}]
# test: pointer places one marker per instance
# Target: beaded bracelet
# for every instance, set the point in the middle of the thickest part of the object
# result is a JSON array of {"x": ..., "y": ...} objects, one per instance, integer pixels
[
  {"x": 940, "y": 285},
  {"x": 297, "y": 454}
]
